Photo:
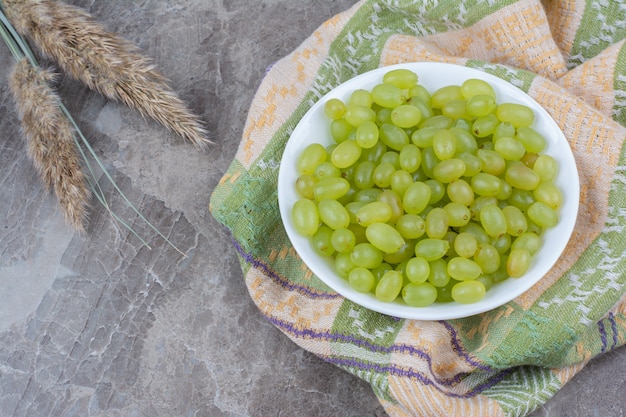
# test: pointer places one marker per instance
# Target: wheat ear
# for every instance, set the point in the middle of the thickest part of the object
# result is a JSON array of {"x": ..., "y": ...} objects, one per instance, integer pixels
[
  {"x": 50, "y": 140},
  {"x": 103, "y": 61}
]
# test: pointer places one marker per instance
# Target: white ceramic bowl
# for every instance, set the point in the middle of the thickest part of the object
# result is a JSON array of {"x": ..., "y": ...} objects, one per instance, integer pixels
[{"x": 314, "y": 127}]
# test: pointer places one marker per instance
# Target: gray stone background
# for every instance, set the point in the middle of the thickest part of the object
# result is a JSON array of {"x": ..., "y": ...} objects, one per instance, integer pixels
[{"x": 96, "y": 324}]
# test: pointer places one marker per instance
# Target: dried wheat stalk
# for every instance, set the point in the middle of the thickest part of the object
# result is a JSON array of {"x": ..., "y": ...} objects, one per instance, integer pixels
[
  {"x": 103, "y": 61},
  {"x": 50, "y": 140}
]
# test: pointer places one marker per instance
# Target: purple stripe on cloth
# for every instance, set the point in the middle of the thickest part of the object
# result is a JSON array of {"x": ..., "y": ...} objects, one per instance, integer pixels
[
  {"x": 602, "y": 336},
  {"x": 613, "y": 329},
  {"x": 339, "y": 337},
  {"x": 409, "y": 373},
  {"x": 456, "y": 343},
  {"x": 285, "y": 283}
]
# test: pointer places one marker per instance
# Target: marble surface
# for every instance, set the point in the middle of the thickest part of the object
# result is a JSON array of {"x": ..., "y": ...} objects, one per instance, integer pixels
[{"x": 97, "y": 324}]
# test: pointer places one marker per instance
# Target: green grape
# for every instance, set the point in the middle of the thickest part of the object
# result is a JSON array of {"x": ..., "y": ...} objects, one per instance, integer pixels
[
  {"x": 520, "y": 176},
  {"x": 458, "y": 214},
  {"x": 304, "y": 186},
  {"x": 429, "y": 160},
  {"x": 465, "y": 142},
  {"x": 436, "y": 223},
  {"x": 438, "y": 276},
  {"x": 474, "y": 87},
  {"x": 518, "y": 262},
  {"x": 478, "y": 204},
  {"x": 487, "y": 257},
  {"x": 374, "y": 212},
  {"x": 516, "y": 223},
  {"x": 383, "y": 173},
  {"x": 387, "y": 95},
  {"x": 444, "y": 144},
  {"x": 463, "y": 269},
  {"x": 431, "y": 249},
  {"x": 343, "y": 264},
  {"x": 333, "y": 214},
  {"x": 330, "y": 188},
  {"x": 545, "y": 167},
  {"x": 548, "y": 193},
  {"x": 352, "y": 208},
  {"x": 522, "y": 199},
  {"x": 529, "y": 241},
  {"x": 468, "y": 292},
  {"x": 321, "y": 241},
  {"x": 313, "y": 155},
  {"x": 505, "y": 191},
  {"x": 366, "y": 255},
  {"x": 476, "y": 230},
  {"x": 423, "y": 137},
  {"x": 445, "y": 94},
  {"x": 485, "y": 125},
  {"x": 327, "y": 169},
  {"x": 493, "y": 221},
  {"x": 437, "y": 191},
  {"x": 518, "y": 115},
  {"x": 459, "y": 191},
  {"x": 491, "y": 162},
  {"x": 439, "y": 121},
  {"x": 449, "y": 170},
  {"x": 532, "y": 140},
  {"x": 465, "y": 244},
  {"x": 410, "y": 158},
  {"x": 416, "y": 198},
  {"x": 360, "y": 97},
  {"x": 406, "y": 116},
  {"x": 361, "y": 279},
  {"x": 401, "y": 78},
  {"x": 359, "y": 233},
  {"x": 364, "y": 175},
  {"x": 419, "y": 295},
  {"x": 392, "y": 157},
  {"x": 340, "y": 130},
  {"x": 417, "y": 270},
  {"x": 444, "y": 294},
  {"x": 367, "y": 195},
  {"x": 455, "y": 109},
  {"x": 400, "y": 181},
  {"x": 502, "y": 244},
  {"x": 425, "y": 110},
  {"x": 380, "y": 270},
  {"x": 486, "y": 184},
  {"x": 401, "y": 256},
  {"x": 367, "y": 135},
  {"x": 343, "y": 240},
  {"x": 504, "y": 129},
  {"x": 355, "y": 115},
  {"x": 334, "y": 109},
  {"x": 389, "y": 286},
  {"x": 384, "y": 237},
  {"x": 480, "y": 105},
  {"x": 510, "y": 149},
  {"x": 542, "y": 215},
  {"x": 375, "y": 153},
  {"x": 395, "y": 202},
  {"x": 383, "y": 115},
  {"x": 411, "y": 226},
  {"x": 420, "y": 92},
  {"x": 345, "y": 154},
  {"x": 394, "y": 137},
  {"x": 462, "y": 124},
  {"x": 305, "y": 217},
  {"x": 472, "y": 163}
]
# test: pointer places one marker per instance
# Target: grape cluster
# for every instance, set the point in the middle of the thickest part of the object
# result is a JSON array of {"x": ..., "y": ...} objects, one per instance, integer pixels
[{"x": 427, "y": 197}]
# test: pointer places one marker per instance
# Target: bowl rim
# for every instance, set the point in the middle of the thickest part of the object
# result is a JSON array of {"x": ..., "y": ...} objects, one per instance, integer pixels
[{"x": 433, "y": 75}]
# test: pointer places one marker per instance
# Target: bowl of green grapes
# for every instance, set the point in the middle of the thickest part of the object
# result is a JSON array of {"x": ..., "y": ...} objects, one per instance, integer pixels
[{"x": 428, "y": 191}]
